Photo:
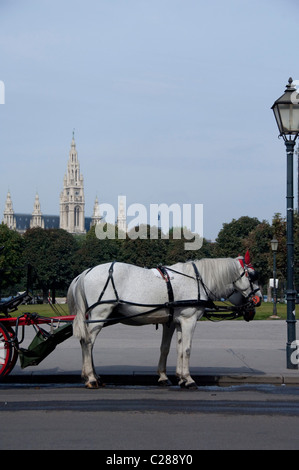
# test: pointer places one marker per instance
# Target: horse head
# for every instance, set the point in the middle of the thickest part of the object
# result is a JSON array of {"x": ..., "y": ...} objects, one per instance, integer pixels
[{"x": 247, "y": 291}]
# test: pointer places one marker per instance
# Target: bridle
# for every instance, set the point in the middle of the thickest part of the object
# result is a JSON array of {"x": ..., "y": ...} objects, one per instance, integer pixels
[{"x": 252, "y": 277}]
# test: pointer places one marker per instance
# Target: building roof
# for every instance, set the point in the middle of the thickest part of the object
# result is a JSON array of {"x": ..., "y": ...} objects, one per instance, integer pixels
[
  {"x": 23, "y": 221},
  {"x": 51, "y": 221}
]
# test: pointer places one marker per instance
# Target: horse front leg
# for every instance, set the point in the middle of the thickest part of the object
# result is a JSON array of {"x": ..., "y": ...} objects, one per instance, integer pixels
[
  {"x": 185, "y": 330},
  {"x": 168, "y": 331}
]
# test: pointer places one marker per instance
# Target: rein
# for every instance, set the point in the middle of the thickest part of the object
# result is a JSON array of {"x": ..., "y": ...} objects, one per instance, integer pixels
[{"x": 211, "y": 310}]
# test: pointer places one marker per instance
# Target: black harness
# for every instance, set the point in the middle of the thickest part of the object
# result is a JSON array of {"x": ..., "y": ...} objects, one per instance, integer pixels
[
  {"x": 211, "y": 310},
  {"x": 164, "y": 273}
]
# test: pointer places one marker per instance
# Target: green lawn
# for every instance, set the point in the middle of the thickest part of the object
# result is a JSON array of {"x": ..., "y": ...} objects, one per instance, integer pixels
[
  {"x": 263, "y": 312},
  {"x": 43, "y": 310}
]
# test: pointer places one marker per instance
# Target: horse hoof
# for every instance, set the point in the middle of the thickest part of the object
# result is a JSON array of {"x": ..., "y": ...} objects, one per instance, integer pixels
[
  {"x": 92, "y": 385},
  {"x": 164, "y": 383},
  {"x": 191, "y": 386},
  {"x": 188, "y": 386}
]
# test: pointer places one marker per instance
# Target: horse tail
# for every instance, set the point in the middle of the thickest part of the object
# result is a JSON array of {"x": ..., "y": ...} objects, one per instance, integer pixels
[{"x": 77, "y": 305}]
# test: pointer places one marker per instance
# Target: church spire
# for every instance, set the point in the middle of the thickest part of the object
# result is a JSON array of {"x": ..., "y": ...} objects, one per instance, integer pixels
[
  {"x": 96, "y": 216},
  {"x": 9, "y": 215},
  {"x": 121, "y": 217},
  {"x": 37, "y": 219},
  {"x": 72, "y": 202},
  {"x": 73, "y": 143}
]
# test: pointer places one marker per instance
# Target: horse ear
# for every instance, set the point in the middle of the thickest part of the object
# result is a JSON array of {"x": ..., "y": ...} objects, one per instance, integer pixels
[
  {"x": 241, "y": 261},
  {"x": 247, "y": 258}
]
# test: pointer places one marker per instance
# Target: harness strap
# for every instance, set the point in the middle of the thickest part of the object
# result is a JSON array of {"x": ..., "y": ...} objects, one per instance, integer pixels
[
  {"x": 165, "y": 275},
  {"x": 110, "y": 278},
  {"x": 198, "y": 279},
  {"x": 206, "y": 303}
]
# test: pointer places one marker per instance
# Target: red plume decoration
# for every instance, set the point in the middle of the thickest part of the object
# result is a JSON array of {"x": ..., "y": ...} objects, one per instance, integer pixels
[
  {"x": 247, "y": 259},
  {"x": 241, "y": 261}
]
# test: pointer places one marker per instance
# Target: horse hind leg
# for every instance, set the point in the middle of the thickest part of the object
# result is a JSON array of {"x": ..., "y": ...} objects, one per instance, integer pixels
[
  {"x": 88, "y": 371},
  {"x": 168, "y": 331}
]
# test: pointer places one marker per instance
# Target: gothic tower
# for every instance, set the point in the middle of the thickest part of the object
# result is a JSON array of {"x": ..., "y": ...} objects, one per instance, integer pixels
[
  {"x": 72, "y": 203},
  {"x": 9, "y": 215},
  {"x": 36, "y": 219},
  {"x": 96, "y": 216},
  {"x": 121, "y": 218}
]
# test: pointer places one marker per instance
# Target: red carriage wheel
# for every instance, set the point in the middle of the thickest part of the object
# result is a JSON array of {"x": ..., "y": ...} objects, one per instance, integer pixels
[
  {"x": 14, "y": 354},
  {"x": 6, "y": 350}
]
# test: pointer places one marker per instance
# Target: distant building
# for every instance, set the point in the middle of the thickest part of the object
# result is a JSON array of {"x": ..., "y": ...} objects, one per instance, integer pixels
[
  {"x": 72, "y": 205},
  {"x": 72, "y": 202},
  {"x": 37, "y": 218},
  {"x": 121, "y": 218},
  {"x": 9, "y": 215},
  {"x": 21, "y": 222}
]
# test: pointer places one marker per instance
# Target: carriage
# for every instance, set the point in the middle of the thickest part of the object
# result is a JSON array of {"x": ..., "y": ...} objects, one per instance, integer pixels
[
  {"x": 121, "y": 293},
  {"x": 49, "y": 333}
]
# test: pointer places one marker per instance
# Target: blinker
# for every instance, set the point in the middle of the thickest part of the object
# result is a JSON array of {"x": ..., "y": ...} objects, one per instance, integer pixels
[{"x": 253, "y": 276}]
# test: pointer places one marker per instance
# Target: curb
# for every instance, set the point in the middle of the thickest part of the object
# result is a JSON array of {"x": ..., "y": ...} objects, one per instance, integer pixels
[{"x": 152, "y": 380}]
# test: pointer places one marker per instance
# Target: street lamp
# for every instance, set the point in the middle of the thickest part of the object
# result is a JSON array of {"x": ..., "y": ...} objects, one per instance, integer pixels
[
  {"x": 286, "y": 112},
  {"x": 274, "y": 246}
]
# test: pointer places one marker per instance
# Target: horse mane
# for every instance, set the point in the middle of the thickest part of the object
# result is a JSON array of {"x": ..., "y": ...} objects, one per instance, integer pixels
[{"x": 218, "y": 274}]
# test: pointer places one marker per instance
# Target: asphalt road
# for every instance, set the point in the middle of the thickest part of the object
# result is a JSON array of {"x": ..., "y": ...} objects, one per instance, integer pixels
[{"x": 148, "y": 418}]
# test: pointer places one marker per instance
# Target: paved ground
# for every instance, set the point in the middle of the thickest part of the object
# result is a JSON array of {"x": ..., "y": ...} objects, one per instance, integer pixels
[
  {"x": 229, "y": 352},
  {"x": 228, "y": 412},
  {"x": 130, "y": 420}
]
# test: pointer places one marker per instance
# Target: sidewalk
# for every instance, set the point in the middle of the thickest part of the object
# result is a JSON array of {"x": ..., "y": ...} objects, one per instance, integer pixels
[{"x": 224, "y": 353}]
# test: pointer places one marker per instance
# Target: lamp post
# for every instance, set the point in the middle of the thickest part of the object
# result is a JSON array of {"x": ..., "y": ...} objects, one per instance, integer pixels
[
  {"x": 274, "y": 246},
  {"x": 286, "y": 112}
]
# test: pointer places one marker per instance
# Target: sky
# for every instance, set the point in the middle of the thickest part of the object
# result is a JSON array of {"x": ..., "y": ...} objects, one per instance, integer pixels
[{"x": 170, "y": 102}]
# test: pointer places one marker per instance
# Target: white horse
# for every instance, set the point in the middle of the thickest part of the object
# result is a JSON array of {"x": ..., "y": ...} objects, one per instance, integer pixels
[{"x": 136, "y": 296}]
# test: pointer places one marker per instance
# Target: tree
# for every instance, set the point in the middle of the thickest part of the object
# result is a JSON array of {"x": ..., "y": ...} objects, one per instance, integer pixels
[
  {"x": 51, "y": 254},
  {"x": 279, "y": 228},
  {"x": 259, "y": 244},
  {"x": 296, "y": 250},
  {"x": 93, "y": 251},
  {"x": 230, "y": 240},
  {"x": 279, "y": 231},
  {"x": 141, "y": 250},
  {"x": 11, "y": 264},
  {"x": 138, "y": 247},
  {"x": 176, "y": 251}
]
